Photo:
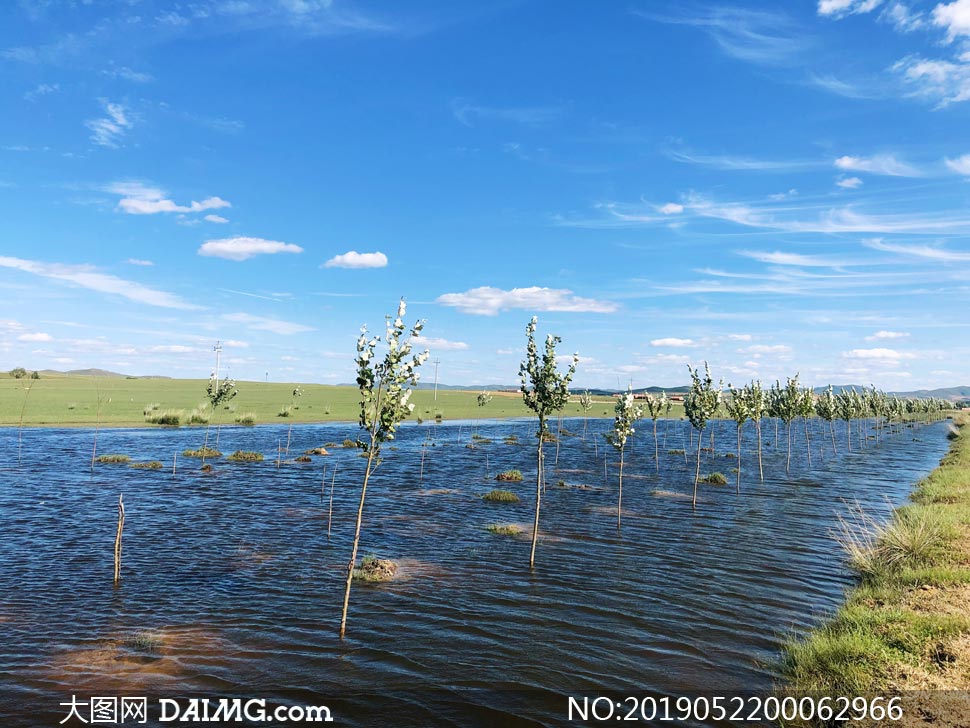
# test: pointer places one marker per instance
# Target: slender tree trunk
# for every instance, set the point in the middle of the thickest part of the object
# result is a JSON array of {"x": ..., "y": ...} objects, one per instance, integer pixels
[
  {"x": 697, "y": 471},
  {"x": 353, "y": 554},
  {"x": 666, "y": 425},
  {"x": 808, "y": 443},
  {"x": 656, "y": 446},
  {"x": 333, "y": 483},
  {"x": 776, "y": 433},
  {"x": 848, "y": 433},
  {"x": 619, "y": 502},
  {"x": 121, "y": 527},
  {"x": 788, "y": 464},
  {"x": 205, "y": 442},
  {"x": 761, "y": 468},
  {"x": 739, "y": 460},
  {"x": 835, "y": 450},
  {"x": 535, "y": 526},
  {"x": 585, "y": 422}
]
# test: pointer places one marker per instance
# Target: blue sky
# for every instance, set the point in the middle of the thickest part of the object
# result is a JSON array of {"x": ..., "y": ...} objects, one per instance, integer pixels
[{"x": 773, "y": 187}]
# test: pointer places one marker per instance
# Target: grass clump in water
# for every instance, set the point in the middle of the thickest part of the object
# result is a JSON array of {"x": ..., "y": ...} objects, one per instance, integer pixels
[
  {"x": 375, "y": 570},
  {"x": 500, "y": 496},
  {"x": 144, "y": 641},
  {"x": 348, "y": 443},
  {"x": 504, "y": 529},
  {"x": 304, "y": 459},
  {"x": 715, "y": 479},
  {"x": 170, "y": 418},
  {"x": 202, "y": 452},
  {"x": 246, "y": 456},
  {"x": 511, "y": 476},
  {"x": 150, "y": 465},
  {"x": 511, "y": 440},
  {"x": 674, "y": 451},
  {"x": 114, "y": 459}
]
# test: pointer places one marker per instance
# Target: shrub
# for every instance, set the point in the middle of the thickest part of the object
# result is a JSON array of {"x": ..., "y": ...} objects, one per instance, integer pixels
[
  {"x": 715, "y": 479},
  {"x": 512, "y": 476},
  {"x": 150, "y": 408},
  {"x": 910, "y": 539},
  {"x": 350, "y": 443},
  {"x": 246, "y": 456},
  {"x": 34, "y": 375},
  {"x": 198, "y": 417},
  {"x": 202, "y": 452},
  {"x": 113, "y": 459},
  {"x": 504, "y": 529},
  {"x": 71, "y": 405},
  {"x": 18, "y": 373},
  {"x": 501, "y": 496},
  {"x": 285, "y": 411},
  {"x": 151, "y": 465},
  {"x": 247, "y": 418}
]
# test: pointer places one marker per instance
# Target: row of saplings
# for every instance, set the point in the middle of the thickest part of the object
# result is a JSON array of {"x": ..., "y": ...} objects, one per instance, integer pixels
[{"x": 385, "y": 388}]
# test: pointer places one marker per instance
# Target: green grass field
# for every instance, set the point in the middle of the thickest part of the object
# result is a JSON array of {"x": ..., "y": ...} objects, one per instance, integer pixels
[{"x": 70, "y": 401}]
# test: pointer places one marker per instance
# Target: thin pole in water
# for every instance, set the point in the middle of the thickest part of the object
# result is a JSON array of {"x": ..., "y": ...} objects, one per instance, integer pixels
[
  {"x": 175, "y": 460},
  {"x": 333, "y": 482},
  {"x": 121, "y": 526}
]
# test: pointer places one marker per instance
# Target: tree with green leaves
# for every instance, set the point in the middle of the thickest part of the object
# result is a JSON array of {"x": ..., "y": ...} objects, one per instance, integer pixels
[
  {"x": 701, "y": 404},
  {"x": 806, "y": 409},
  {"x": 787, "y": 404},
  {"x": 545, "y": 391},
  {"x": 826, "y": 407},
  {"x": 739, "y": 406},
  {"x": 656, "y": 407},
  {"x": 385, "y": 393},
  {"x": 758, "y": 404},
  {"x": 216, "y": 393},
  {"x": 586, "y": 402},
  {"x": 846, "y": 404},
  {"x": 627, "y": 412}
]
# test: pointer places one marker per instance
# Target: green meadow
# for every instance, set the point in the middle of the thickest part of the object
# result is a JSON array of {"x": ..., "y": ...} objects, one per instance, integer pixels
[{"x": 72, "y": 401}]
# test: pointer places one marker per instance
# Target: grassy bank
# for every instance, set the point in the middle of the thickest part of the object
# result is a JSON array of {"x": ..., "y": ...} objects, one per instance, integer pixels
[
  {"x": 70, "y": 401},
  {"x": 905, "y": 628}
]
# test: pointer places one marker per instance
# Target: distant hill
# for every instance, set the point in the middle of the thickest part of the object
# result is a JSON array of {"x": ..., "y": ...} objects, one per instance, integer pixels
[
  {"x": 94, "y": 373},
  {"x": 948, "y": 393}
]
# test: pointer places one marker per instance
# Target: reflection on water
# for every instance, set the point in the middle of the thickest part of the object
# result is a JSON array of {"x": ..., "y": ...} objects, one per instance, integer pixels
[{"x": 230, "y": 585}]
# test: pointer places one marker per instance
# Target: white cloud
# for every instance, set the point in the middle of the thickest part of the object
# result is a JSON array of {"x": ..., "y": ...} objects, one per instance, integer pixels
[
  {"x": 672, "y": 208},
  {"x": 38, "y": 337},
  {"x": 138, "y": 198},
  {"x": 885, "y": 164},
  {"x": 918, "y": 251},
  {"x": 878, "y": 355},
  {"x": 740, "y": 337},
  {"x": 759, "y": 349},
  {"x": 243, "y": 248},
  {"x": 672, "y": 342},
  {"x": 535, "y": 116},
  {"x": 881, "y": 335},
  {"x": 263, "y": 323},
  {"x": 235, "y": 344},
  {"x": 123, "y": 72},
  {"x": 955, "y": 17},
  {"x": 87, "y": 276},
  {"x": 139, "y": 261},
  {"x": 430, "y": 342},
  {"x": 489, "y": 301},
  {"x": 960, "y": 165},
  {"x": 353, "y": 259},
  {"x": 797, "y": 259},
  {"x": 902, "y": 18},
  {"x": 215, "y": 218},
  {"x": 109, "y": 130},
  {"x": 942, "y": 81},
  {"x": 173, "y": 349},
  {"x": 849, "y": 183},
  {"x": 839, "y": 8}
]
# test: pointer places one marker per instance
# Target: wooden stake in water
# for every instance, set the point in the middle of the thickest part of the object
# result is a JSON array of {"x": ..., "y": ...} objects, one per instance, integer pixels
[
  {"x": 459, "y": 434},
  {"x": 486, "y": 466},
  {"x": 424, "y": 449},
  {"x": 121, "y": 526},
  {"x": 175, "y": 461},
  {"x": 279, "y": 452},
  {"x": 288, "y": 433},
  {"x": 333, "y": 482}
]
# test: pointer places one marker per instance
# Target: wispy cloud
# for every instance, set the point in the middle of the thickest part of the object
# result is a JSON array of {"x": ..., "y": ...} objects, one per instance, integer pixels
[
  {"x": 731, "y": 162},
  {"x": 673, "y": 342},
  {"x": 263, "y": 323},
  {"x": 109, "y": 130},
  {"x": 40, "y": 90},
  {"x": 139, "y": 261},
  {"x": 779, "y": 257},
  {"x": 126, "y": 74},
  {"x": 242, "y": 248},
  {"x": 849, "y": 183},
  {"x": 960, "y": 165},
  {"x": 759, "y": 350},
  {"x": 759, "y": 37},
  {"x": 218, "y": 219},
  {"x": 353, "y": 259},
  {"x": 902, "y": 17},
  {"x": 954, "y": 17},
  {"x": 940, "y": 81},
  {"x": 469, "y": 113},
  {"x": 489, "y": 301},
  {"x": 39, "y": 337},
  {"x": 87, "y": 276},
  {"x": 920, "y": 251},
  {"x": 138, "y": 198},
  {"x": 884, "y": 164},
  {"x": 890, "y": 356}
]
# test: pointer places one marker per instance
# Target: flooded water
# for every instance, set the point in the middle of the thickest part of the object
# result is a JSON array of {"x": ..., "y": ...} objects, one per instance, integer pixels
[{"x": 231, "y": 587}]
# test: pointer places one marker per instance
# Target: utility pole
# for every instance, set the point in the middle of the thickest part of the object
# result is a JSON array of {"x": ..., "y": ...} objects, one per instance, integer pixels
[
  {"x": 436, "y": 363},
  {"x": 218, "y": 350}
]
